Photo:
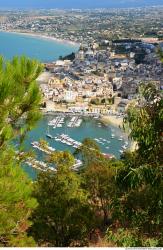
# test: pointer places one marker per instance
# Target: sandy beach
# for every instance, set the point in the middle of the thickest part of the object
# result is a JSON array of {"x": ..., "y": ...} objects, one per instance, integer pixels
[
  {"x": 110, "y": 119},
  {"x": 42, "y": 36}
]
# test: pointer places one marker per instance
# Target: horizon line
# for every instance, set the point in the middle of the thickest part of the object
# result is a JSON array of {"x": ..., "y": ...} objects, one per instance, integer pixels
[{"x": 99, "y": 8}]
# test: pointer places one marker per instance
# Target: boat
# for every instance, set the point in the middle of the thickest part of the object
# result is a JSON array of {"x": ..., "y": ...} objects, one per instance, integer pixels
[
  {"x": 57, "y": 139},
  {"x": 48, "y": 134},
  {"x": 59, "y": 125},
  {"x": 121, "y": 151}
]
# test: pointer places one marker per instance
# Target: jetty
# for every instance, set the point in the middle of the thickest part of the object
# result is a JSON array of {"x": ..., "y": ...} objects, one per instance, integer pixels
[{"x": 49, "y": 150}]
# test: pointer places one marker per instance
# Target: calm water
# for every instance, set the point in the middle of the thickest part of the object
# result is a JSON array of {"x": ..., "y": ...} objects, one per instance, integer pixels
[
  {"x": 41, "y": 49},
  {"x": 45, "y": 50},
  {"x": 89, "y": 128}
]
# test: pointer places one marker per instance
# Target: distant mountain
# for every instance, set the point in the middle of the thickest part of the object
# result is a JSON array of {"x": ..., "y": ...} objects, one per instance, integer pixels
[{"x": 77, "y": 3}]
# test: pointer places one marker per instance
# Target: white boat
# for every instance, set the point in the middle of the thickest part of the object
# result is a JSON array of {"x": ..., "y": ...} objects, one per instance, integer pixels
[
  {"x": 57, "y": 139},
  {"x": 121, "y": 151}
]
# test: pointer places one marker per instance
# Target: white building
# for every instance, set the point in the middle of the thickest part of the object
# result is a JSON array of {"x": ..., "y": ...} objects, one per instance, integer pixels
[{"x": 70, "y": 96}]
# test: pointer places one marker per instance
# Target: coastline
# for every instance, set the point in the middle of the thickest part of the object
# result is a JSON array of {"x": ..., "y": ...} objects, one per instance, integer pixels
[
  {"x": 109, "y": 119},
  {"x": 42, "y": 36},
  {"x": 117, "y": 122}
]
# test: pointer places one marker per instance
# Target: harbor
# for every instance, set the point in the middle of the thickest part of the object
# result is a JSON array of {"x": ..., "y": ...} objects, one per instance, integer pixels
[
  {"x": 68, "y": 137},
  {"x": 43, "y": 147}
]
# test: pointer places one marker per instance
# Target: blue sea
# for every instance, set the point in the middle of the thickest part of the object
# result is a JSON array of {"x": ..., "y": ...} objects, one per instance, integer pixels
[
  {"x": 47, "y": 51},
  {"x": 90, "y": 128},
  {"x": 44, "y": 50}
]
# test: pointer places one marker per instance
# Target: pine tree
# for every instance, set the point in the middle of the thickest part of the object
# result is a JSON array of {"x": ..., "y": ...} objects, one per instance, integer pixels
[{"x": 19, "y": 111}]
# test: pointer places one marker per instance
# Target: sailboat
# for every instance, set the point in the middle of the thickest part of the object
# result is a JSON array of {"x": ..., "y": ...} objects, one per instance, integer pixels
[{"x": 48, "y": 134}]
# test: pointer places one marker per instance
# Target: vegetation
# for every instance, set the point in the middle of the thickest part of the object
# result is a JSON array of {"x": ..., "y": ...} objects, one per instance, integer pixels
[
  {"x": 122, "y": 200},
  {"x": 19, "y": 111},
  {"x": 99, "y": 101},
  {"x": 70, "y": 57},
  {"x": 63, "y": 216},
  {"x": 139, "y": 207}
]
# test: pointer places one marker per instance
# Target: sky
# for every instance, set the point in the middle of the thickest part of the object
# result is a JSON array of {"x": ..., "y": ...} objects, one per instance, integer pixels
[{"x": 64, "y": 4}]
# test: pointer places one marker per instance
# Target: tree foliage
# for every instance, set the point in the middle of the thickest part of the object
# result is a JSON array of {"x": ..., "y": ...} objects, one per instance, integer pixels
[
  {"x": 19, "y": 97},
  {"x": 19, "y": 111},
  {"x": 140, "y": 202},
  {"x": 63, "y": 217},
  {"x": 146, "y": 121}
]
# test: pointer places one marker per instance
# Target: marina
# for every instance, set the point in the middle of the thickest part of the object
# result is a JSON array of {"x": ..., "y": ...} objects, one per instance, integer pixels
[
  {"x": 40, "y": 165},
  {"x": 111, "y": 140}
]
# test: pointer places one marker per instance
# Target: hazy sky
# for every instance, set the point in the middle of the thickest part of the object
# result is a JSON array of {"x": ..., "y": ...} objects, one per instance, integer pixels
[{"x": 76, "y": 3}]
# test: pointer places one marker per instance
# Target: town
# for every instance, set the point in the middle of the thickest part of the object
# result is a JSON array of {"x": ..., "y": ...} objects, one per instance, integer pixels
[
  {"x": 101, "y": 78},
  {"x": 78, "y": 25},
  {"x": 115, "y": 56},
  {"x": 81, "y": 128}
]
